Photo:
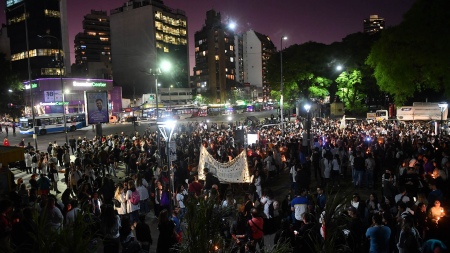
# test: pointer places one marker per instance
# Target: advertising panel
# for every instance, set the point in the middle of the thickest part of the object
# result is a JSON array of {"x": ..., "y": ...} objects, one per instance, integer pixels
[{"x": 97, "y": 107}]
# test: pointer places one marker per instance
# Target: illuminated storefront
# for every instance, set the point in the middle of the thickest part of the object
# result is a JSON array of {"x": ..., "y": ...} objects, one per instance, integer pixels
[{"x": 47, "y": 95}]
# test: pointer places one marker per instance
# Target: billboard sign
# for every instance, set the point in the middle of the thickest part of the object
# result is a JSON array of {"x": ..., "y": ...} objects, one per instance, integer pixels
[{"x": 97, "y": 106}]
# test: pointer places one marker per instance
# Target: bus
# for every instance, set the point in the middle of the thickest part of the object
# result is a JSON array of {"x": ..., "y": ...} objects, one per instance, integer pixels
[
  {"x": 52, "y": 123},
  {"x": 423, "y": 111},
  {"x": 182, "y": 111}
]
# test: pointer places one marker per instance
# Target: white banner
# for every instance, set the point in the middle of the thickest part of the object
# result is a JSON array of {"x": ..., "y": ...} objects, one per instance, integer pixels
[{"x": 234, "y": 171}]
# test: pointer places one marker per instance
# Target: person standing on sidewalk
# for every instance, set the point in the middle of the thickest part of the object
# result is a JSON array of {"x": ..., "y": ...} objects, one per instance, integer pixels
[
  {"x": 27, "y": 157},
  {"x": 53, "y": 176},
  {"x": 256, "y": 224},
  {"x": 66, "y": 159},
  {"x": 359, "y": 168},
  {"x": 72, "y": 144}
]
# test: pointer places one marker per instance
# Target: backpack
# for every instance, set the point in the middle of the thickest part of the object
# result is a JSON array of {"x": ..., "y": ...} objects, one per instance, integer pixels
[
  {"x": 135, "y": 197},
  {"x": 116, "y": 203},
  {"x": 34, "y": 159},
  {"x": 410, "y": 242},
  {"x": 271, "y": 211}
]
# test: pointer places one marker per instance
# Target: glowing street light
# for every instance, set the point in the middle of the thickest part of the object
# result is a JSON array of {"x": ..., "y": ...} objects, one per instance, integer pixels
[
  {"x": 308, "y": 126},
  {"x": 232, "y": 25},
  {"x": 281, "y": 80}
]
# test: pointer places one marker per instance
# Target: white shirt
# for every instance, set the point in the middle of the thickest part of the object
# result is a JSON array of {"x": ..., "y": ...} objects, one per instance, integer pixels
[
  {"x": 27, "y": 159},
  {"x": 266, "y": 208},
  {"x": 71, "y": 215},
  {"x": 293, "y": 173},
  {"x": 180, "y": 200},
  {"x": 123, "y": 207},
  {"x": 143, "y": 192}
]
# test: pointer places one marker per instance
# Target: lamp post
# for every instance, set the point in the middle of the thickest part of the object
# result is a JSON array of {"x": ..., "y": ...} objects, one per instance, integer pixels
[
  {"x": 281, "y": 81},
  {"x": 165, "y": 66},
  {"x": 170, "y": 97},
  {"x": 29, "y": 74},
  {"x": 166, "y": 129},
  {"x": 60, "y": 78},
  {"x": 443, "y": 107},
  {"x": 308, "y": 127}
]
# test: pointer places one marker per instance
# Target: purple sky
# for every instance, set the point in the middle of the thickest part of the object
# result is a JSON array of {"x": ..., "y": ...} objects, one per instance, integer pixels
[{"x": 323, "y": 21}]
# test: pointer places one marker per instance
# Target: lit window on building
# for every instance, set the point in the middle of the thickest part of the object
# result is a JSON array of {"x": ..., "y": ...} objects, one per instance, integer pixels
[
  {"x": 92, "y": 33},
  {"x": 16, "y": 19},
  {"x": 231, "y": 47},
  {"x": 52, "y": 13},
  {"x": 231, "y": 59},
  {"x": 104, "y": 39},
  {"x": 217, "y": 57},
  {"x": 51, "y": 71}
]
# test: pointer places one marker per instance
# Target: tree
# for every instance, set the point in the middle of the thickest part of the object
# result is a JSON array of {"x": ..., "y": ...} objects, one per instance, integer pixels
[
  {"x": 349, "y": 90},
  {"x": 412, "y": 58},
  {"x": 12, "y": 89},
  {"x": 302, "y": 71}
]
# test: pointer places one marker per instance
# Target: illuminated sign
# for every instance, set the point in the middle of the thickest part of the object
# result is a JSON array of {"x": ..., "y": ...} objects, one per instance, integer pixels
[
  {"x": 12, "y": 2},
  {"x": 54, "y": 103},
  {"x": 33, "y": 86},
  {"x": 89, "y": 84}
]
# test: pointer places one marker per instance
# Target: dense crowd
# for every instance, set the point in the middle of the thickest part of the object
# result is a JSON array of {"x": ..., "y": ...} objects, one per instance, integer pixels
[{"x": 404, "y": 166}]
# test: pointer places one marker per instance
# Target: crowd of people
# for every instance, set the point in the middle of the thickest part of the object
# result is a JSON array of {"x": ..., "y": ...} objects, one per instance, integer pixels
[{"x": 402, "y": 169}]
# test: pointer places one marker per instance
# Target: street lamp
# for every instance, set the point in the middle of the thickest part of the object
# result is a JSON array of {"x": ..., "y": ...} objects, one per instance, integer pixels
[
  {"x": 60, "y": 78},
  {"x": 281, "y": 80},
  {"x": 166, "y": 129},
  {"x": 443, "y": 107},
  {"x": 308, "y": 126},
  {"x": 170, "y": 97},
  {"x": 165, "y": 66}
]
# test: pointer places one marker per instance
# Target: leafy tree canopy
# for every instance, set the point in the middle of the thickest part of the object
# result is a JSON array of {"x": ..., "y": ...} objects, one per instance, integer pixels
[
  {"x": 12, "y": 89},
  {"x": 413, "y": 56}
]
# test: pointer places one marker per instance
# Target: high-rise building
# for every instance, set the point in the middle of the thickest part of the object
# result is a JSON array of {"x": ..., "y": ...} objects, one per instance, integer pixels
[
  {"x": 4, "y": 43},
  {"x": 93, "y": 47},
  {"x": 143, "y": 34},
  {"x": 41, "y": 27},
  {"x": 257, "y": 49},
  {"x": 374, "y": 24},
  {"x": 215, "y": 58}
]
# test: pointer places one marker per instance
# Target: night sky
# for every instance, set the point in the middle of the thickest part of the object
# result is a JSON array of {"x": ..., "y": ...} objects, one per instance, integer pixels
[{"x": 324, "y": 21}]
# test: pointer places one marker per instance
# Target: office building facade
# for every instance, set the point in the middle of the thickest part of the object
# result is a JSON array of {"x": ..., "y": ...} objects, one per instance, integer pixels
[
  {"x": 373, "y": 24},
  {"x": 215, "y": 57},
  {"x": 93, "y": 47},
  {"x": 257, "y": 49},
  {"x": 39, "y": 26},
  {"x": 143, "y": 34}
]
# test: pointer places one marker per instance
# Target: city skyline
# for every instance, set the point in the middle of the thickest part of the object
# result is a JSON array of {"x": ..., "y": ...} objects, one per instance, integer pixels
[{"x": 323, "y": 21}]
